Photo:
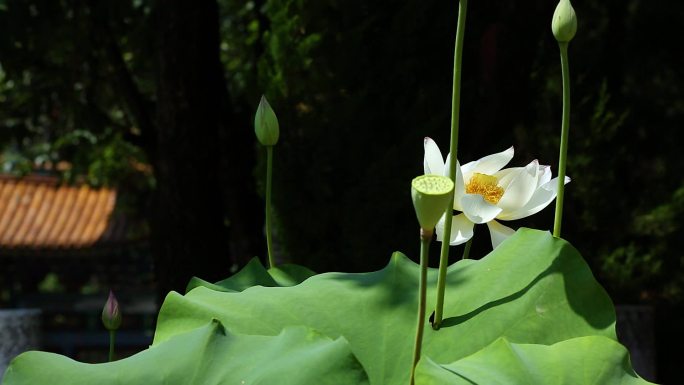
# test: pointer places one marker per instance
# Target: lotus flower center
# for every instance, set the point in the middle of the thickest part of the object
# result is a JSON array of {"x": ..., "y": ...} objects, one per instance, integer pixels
[{"x": 485, "y": 185}]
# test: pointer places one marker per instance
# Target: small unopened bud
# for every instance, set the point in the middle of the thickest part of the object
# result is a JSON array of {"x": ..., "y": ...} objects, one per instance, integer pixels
[
  {"x": 266, "y": 124},
  {"x": 430, "y": 194},
  {"x": 111, "y": 316},
  {"x": 564, "y": 23}
]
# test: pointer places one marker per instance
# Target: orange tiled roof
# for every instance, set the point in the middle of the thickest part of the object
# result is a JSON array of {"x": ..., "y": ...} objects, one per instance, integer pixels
[{"x": 39, "y": 213}]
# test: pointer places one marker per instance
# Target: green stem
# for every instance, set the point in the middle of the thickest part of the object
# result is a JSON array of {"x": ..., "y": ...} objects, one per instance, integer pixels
[
  {"x": 269, "y": 177},
  {"x": 565, "y": 128},
  {"x": 422, "y": 289},
  {"x": 453, "y": 149},
  {"x": 111, "y": 345},
  {"x": 466, "y": 251}
]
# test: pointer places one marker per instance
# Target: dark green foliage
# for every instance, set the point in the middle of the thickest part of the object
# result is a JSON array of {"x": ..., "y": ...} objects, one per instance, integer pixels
[{"x": 58, "y": 88}]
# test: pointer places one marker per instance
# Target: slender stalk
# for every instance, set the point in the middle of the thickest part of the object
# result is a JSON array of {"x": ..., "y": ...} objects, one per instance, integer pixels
[
  {"x": 565, "y": 128},
  {"x": 455, "y": 112},
  {"x": 466, "y": 250},
  {"x": 269, "y": 177},
  {"x": 420, "y": 326},
  {"x": 112, "y": 333}
]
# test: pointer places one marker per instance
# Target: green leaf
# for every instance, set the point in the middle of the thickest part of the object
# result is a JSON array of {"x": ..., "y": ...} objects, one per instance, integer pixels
[
  {"x": 533, "y": 289},
  {"x": 530, "y": 312},
  {"x": 253, "y": 274},
  {"x": 290, "y": 274},
  {"x": 584, "y": 360},
  {"x": 206, "y": 355}
]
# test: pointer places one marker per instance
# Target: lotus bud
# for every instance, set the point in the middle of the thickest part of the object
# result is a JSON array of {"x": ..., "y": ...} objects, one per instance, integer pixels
[
  {"x": 111, "y": 316},
  {"x": 564, "y": 23},
  {"x": 266, "y": 124},
  {"x": 431, "y": 195}
]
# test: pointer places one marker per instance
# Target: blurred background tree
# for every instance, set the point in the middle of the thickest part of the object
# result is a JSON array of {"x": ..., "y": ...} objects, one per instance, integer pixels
[{"x": 157, "y": 98}]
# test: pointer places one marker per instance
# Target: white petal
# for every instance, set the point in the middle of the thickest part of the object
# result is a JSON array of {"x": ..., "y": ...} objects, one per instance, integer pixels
[
  {"x": 544, "y": 174},
  {"x": 461, "y": 230},
  {"x": 498, "y": 232},
  {"x": 459, "y": 188},
  {"x": 490, "y": 164},
  {"x": 477, "y": 209},
  {"x": 439, "y": 229},
  {"x": 541, "y": 198},
  {"x": 433, "y": 163},
  {"x": 506, "y": 176},
  {"x": 521, "y": 188}
]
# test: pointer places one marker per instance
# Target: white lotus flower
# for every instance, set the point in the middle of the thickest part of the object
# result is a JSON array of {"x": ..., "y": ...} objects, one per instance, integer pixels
[{"x": 485, "y": 191}]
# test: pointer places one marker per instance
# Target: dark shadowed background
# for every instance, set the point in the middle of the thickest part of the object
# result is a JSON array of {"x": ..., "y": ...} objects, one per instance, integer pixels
[{"x": 156, "y": 100}]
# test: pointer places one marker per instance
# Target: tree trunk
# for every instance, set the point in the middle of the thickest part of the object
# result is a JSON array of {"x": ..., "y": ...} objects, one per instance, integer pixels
[{"x": 188, "y": 232}]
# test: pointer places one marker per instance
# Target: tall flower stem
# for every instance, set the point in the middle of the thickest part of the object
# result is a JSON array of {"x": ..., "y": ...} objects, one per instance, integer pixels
[
  {"x": 269, "y": 177},
  {"x": 455, "y": 112},
  {"x": 425, "y": 238},
  {"x": 112, "y": 334},
  {"x": 565, "y": 128}
]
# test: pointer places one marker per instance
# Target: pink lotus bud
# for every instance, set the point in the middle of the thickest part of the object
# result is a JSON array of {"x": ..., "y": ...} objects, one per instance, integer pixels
[{"x": 111, "y": 316}]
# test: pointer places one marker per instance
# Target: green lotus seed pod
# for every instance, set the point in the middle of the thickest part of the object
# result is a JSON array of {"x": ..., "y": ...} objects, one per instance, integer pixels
[
  {"x": 564, "y": 23},
  {"x": 111, "y": 316},
  {"x": 266, "y": 124},
  {"x": 431, "y": 195}
]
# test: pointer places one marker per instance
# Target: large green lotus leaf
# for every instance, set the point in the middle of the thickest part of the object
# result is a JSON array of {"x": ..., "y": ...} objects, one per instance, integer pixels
[
  {"x": 532, "y": 289},
  {"x": 591, "y": 360},
  {"x": 206, "y": 356},
  {"x": 252, "y": 274},
  {"x": 290, "y": 274},
  {"x": 255, "y": 274}
]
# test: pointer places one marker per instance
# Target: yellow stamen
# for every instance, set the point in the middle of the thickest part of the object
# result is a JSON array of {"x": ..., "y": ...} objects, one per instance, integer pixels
[{"x": 485, "y": 185}]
